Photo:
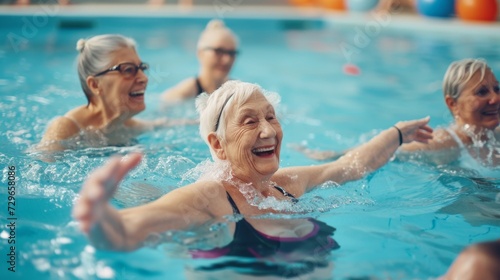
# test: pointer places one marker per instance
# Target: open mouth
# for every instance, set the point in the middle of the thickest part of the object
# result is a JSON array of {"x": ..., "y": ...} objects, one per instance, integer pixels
[
  {"x": 264, "y": 152},
  {"x": 136, "y": 94},
  {"x": 491, "y": 113}
]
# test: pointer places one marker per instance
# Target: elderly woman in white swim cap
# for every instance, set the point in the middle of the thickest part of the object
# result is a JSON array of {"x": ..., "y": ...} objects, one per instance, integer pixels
[
  {"x": 239, "y": 124},
  {"x": 216, "y": 51}
]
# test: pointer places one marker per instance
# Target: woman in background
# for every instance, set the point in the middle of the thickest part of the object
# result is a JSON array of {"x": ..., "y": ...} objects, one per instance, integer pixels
[
  {"x": 217, "y": 50},
  {"x": 472, "y": 94},
  {"x": 113, "y": 79}
]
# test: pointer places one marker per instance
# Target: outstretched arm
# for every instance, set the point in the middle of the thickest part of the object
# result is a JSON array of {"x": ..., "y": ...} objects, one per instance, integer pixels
[
  {"x": 326, "y": 155},
  {"x": 108, "y": 228},
  {"x": 363, "y": 159},
  {"x": 97, "y": 217}
]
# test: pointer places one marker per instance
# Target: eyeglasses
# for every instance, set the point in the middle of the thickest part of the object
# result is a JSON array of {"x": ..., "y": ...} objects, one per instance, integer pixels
[
  {"x": 127, "y": 69},
  {"x": 221, "y": 51}
]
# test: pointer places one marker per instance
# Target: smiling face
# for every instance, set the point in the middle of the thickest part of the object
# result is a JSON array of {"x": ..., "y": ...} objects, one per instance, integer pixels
[
  {"x": 215, "y": 57},
  {"x": 118, "y": 93},
  {"x": 478, "y": 103},
  {"x": 253, "y": 139}
]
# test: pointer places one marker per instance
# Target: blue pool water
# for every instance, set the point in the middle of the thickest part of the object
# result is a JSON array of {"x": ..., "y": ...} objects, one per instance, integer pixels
[{"x": 408, "y": 220}]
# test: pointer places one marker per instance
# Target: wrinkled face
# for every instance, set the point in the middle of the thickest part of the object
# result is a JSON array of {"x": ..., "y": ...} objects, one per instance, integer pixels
[
  {"x": 219, "y": 55},
  {"x": 478, "y": 103},
  {"x": 253, "y": 139},
  {"x": 120, "y": 92}
]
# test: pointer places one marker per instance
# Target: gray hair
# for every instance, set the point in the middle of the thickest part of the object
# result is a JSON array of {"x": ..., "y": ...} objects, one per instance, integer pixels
[
  {"x": 213, "y": 107},
  {"x": 459, "y": 74},
  {"x": 213, "y": 28},
  {"x": 95, "y": 55}
]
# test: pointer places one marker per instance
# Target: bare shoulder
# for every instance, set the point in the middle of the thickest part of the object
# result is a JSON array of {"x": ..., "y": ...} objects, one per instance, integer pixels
[
  {"x": 291, "y": 179},
  {"x": 441, "y": 140},
  {"x": 442, "y": 149},
  {"x": 183, "y": 90},
  {"x": 59, "y": 129}
]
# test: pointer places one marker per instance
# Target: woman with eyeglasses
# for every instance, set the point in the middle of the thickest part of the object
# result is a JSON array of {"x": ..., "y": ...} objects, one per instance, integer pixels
[
  {"x": 471, "y": 92},
  {"x": 114, "y": 82},
  {"x": 217, "y": 50}
]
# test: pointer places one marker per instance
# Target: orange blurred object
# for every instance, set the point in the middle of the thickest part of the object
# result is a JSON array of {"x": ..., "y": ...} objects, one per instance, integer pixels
[
  {"x": 333, "y": 4},
  {"x": 477, "y": 10},
  {"x": 351, "y": 69},
  {"x": 302, "y": 2}
]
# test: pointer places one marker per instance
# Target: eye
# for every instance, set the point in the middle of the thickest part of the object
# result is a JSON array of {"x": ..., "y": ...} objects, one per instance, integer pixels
[
  {"x": 496, "y": 89},
  {"x": 271, "y": 117},
  {"x": 128, "y": 69},
  {"x": 219, "y": 52},
  {"x": 249, "y": 121},
  {"x": 482, "y": 91}
]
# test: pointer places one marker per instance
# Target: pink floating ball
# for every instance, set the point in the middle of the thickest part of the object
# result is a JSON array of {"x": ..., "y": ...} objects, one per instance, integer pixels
[{"x": 351, "y": 69}]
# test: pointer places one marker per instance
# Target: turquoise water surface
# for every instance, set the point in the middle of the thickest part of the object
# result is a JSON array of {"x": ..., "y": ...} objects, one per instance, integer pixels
[{"x": 408, "y": 220}]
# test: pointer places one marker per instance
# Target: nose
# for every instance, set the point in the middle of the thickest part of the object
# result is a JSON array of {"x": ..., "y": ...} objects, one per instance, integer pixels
[
  {"x": 495, "y": 97},
  {"x": 267, "y": 130},
  {"x": 141, "y": 77},
  {"x": 227, "y": 58}
]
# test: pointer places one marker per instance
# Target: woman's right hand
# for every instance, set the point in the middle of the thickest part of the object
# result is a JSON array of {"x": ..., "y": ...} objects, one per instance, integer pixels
[
  {"x": 99, "y": 187},
  {"x": 415, "y": 130}
]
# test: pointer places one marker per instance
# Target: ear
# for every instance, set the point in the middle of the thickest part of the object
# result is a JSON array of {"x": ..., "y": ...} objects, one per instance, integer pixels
[
  {"x": 93, "y": 85},
  {"x": 451, "y": 103},
  {"x": 215, "y": 145}
]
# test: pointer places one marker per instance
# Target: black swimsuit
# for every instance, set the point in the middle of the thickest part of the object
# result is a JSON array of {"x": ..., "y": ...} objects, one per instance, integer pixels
[
  {"x": 199, "y": 88},
  {"x": 251, "y": 243}
]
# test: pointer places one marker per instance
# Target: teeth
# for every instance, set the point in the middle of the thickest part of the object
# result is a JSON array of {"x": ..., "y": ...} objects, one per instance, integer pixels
[
  {"x": 261, "y": 150},
  {"x": 136, "y": 93}
]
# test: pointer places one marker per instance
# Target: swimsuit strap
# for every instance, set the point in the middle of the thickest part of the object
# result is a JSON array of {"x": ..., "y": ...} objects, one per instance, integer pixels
[
  {"x": 455, "y": 137},
  {"x": 74, "y": 121},
  {"x": 285, "y": 193},
  {"x": 235, "y": 208},
  {"x": 198, "y": 86}
]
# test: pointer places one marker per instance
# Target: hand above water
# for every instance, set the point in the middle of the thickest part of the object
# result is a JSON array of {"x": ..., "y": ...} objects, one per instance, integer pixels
[
  {"x": 415, "y": 130},
  {"x": 92, "y": 206}
]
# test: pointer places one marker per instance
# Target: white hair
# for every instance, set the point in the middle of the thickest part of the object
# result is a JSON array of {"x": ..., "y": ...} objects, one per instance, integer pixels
[
  {"x": 213, "y": 107},
  {"x": 95, "y": 55},
  {"x": 459, "y": 74},
  {"x": 214, "y": 29}
]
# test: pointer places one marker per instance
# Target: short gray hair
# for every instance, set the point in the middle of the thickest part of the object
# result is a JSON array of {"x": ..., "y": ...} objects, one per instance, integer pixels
[
  {"x": 459, "y": 74},
  {"x": 213, "y": 107},
  {"x": 95, "y": 55}
]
